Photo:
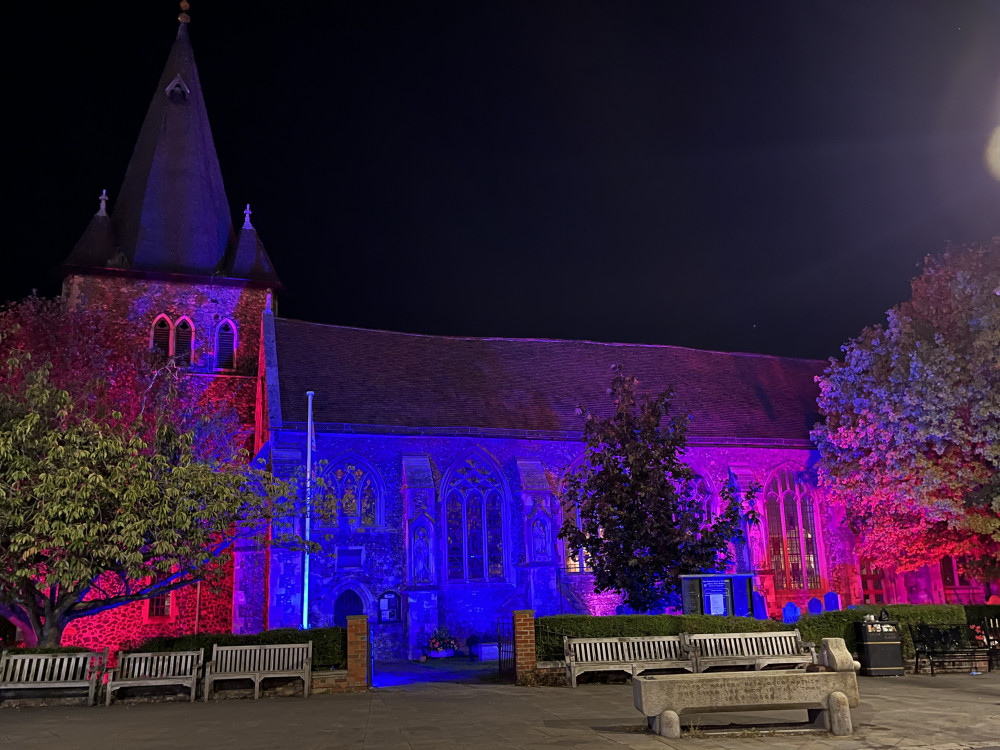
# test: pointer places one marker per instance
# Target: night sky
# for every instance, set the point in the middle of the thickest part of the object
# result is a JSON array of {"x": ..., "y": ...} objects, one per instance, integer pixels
[{"x": 745, "y": 176}]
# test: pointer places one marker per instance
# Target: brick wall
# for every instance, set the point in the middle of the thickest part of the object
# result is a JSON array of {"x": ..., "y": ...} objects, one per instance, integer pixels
[{"x": 525, "y": 659}]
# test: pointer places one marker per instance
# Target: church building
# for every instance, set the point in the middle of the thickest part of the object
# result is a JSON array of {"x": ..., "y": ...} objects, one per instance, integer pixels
[{"x": 443, "y": 457}]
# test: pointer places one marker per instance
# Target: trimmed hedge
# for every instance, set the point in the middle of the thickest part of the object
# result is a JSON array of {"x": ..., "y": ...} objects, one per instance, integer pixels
[
  {"x": 834, "y": 624},
  {"x": 549, "y": 630},
  {"x": 979, "y": 612},
  {"x": 840, "y": 623},
  {"x": 51, "y": 650},
  {"x": 329, "y": 644}
]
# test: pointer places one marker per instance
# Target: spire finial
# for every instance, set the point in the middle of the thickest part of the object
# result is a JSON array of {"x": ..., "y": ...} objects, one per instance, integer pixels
[
  {"x": 246, "y": 217},
  {"x": 184, "y": 17},
  {"x": 103, "y": 198},
  {"x": 267, "y": 305}
]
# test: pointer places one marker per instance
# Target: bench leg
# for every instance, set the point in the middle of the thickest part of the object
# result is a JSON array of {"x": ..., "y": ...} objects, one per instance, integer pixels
[
  {"x": 107, "y": 695},
  {"x": 207, "y": 689},
  {"x": 256, "y": 689},
  {"x": 667, "y": 724}
]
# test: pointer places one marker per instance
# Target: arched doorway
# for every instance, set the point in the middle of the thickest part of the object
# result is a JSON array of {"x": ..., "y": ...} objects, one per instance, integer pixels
[{"x": 347, "y": 604}]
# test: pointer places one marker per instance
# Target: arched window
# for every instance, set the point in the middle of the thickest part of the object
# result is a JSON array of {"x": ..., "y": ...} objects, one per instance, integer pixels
[
  {"x": 183, "y": 341},
  {"x": 474, "y": 520},
  {"x": 576, "y": 559},
  {"x": 792, "y": 544},
  {"x": 225, "y": 346},
  {"x": 353, "y": 487},
  {"x": 160, "y": 335},
  {"x": 706, "y": 499}
]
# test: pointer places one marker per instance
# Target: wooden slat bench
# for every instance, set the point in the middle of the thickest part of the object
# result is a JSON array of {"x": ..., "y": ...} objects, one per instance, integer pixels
[
  {"x": 53, "y": 671},
  {"x": 179, "y": 668},
  {"x": 258, "y": 663},
  {"x": 634, "y": 654},
  {"x": 756, "y": 650}
]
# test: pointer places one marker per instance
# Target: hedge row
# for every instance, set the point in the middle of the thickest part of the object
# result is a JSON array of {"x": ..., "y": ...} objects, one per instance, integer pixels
[
  {"x": 329, "y": 644},
  {"x": 549, "y": 630},
  {"x": 835, "y": 624}
]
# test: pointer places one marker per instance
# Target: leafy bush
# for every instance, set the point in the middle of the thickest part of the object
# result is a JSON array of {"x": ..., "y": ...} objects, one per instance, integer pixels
[{"x": 329, "y": 644}]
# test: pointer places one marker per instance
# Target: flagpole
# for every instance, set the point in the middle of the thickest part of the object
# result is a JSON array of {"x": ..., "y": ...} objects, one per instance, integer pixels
[{"x": 310, "y": 437}]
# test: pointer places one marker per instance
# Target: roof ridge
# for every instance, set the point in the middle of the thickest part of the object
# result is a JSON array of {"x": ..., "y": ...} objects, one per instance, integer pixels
[{"x": 514, "y": 339}]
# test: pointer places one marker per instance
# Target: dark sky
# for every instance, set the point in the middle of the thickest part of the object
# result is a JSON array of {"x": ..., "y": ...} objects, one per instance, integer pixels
[{"x": 750, "y": 176}]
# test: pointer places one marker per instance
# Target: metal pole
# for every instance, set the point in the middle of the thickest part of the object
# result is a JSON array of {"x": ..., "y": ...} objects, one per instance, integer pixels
[{"x": 309, "y": 458}]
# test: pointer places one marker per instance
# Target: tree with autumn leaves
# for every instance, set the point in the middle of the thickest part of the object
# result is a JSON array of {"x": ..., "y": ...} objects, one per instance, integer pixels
[
  {"x": 115, "y": 485},
  {"x": 910, "y": 444}
]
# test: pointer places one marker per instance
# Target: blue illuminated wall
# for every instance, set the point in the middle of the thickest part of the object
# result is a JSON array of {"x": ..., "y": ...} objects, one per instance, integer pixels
[{"x": 389, "y": 535}]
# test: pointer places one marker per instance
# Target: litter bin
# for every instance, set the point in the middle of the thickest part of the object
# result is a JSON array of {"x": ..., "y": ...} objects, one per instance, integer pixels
[{"x": 881, "y": 648}]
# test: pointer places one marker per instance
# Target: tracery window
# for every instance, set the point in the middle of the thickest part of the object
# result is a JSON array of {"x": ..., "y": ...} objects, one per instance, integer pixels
[
  {"x": 791, "y": 531},
  {"x": 474, "y": 520},
  {"x": 705, "y": 498},
  {"x": 354, "y": 488},
  {"x": 225, "y": 346},
  {"x": 576, "y": 559}
]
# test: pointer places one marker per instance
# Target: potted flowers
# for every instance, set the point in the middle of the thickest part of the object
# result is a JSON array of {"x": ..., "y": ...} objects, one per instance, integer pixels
[{"x": 441, "y": 644}]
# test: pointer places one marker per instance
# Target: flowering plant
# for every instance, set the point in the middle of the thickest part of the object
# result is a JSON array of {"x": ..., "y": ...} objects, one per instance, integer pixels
[{"x": 441, "y": 640}]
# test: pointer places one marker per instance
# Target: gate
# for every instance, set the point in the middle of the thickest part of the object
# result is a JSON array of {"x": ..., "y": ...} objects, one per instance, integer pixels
[{"x": 505, "y": 642}]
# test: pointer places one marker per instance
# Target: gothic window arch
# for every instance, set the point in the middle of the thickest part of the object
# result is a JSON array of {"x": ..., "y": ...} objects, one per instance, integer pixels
[
  {"x": 225, "y": 345},
  {"x": 706, "y": 497},
  {"x": 576, "y": 559},
  {"x": 161, "y": 335},
  {"x": 474, "y": 518},
  {"x": 353, "y": 489},
  {"x": 792, "y": 540},
  {"x": 183, "y": 341}
]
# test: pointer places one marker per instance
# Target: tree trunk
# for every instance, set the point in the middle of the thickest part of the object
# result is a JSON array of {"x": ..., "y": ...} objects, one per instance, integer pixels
[{"x": 52, "y": 631}]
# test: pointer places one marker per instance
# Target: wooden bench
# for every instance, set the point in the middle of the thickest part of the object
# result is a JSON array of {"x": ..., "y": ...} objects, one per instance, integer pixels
[
  {"x": 178, "y": 668},
  {"x": 756, "y": 650},
  {"x": 53, "y": 671},
  {"x": 634, "y": 654},
  {"x": 259, "y": 662},
  {"x": 947, "y": 646}
]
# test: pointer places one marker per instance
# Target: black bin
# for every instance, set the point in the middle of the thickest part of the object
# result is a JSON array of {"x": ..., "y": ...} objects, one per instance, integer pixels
[{"x": 881, "y": 648}]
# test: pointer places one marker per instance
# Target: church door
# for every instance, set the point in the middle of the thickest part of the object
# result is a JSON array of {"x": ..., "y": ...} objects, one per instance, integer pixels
[{"x": 348, "y": 603}]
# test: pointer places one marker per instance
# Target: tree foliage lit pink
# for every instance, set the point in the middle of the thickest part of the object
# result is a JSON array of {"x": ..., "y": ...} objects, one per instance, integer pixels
[{"x": 911, "y": 440}]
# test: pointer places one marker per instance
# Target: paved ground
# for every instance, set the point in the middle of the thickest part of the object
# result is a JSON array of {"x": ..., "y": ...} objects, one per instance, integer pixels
[{"x": 425, "y": 709}]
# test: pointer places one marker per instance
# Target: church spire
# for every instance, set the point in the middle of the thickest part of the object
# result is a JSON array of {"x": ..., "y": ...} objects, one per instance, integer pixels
[{"x": 171, "y": 215}]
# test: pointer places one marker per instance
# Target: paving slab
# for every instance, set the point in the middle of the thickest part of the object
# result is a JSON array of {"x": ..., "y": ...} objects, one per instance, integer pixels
[{"x": 945, "y": 712}]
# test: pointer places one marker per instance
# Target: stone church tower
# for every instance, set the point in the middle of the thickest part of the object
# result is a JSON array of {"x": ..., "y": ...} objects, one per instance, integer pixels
[{"x": 163, "y": 260}]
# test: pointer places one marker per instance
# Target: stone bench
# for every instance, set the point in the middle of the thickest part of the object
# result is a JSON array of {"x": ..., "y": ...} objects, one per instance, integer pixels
[
  {"x": 828, "y": 695},
  {"x": 171, "y": 668},
  {"x": 53, "y": 671},
  {"x": 756, "y": 650},
  {"x": 257, "y": 663},
  {"x": 634, "y": 654}
]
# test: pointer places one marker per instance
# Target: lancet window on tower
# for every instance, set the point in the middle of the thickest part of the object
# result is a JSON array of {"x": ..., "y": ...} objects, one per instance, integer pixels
[
  {"x": 225, "y": 346},
  {"x": 161, "y": 335},
  {"x": 183, "y": 342}
]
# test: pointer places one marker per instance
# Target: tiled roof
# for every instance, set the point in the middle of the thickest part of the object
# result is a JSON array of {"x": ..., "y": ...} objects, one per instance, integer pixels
[{"x": 405, "y": 380}]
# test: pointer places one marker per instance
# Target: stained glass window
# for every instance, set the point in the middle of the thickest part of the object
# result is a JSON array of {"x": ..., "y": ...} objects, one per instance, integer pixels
[
  {"x": 352, "y": 490},
  {"x": 793, "y": 546},
  {"x": 474, "y": 517},
  {"x": 576, "y": 559}
]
